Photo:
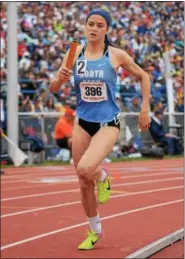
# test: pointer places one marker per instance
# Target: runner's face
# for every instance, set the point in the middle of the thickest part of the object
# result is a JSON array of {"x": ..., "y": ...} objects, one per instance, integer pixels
[{"x": 96, "y": 28}]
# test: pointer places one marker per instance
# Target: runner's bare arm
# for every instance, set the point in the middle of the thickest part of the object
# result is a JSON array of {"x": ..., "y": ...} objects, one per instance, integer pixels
[
  {"x": 63, "y": 74},
  {"x": 124, "y": 60}
]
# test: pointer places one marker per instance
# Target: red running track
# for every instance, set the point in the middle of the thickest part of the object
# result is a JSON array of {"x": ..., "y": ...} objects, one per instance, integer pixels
[{"x": 42, "y": 215}]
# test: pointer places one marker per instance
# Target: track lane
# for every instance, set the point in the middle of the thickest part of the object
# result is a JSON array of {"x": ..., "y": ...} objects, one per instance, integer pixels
[
  {"x": 120, "y": 240},
  {"x": 40, "y": 199},
  {"x": 19, "y": 189},
  {"x": 73, "y": 214},
  {"x": 54, "y": 247}
]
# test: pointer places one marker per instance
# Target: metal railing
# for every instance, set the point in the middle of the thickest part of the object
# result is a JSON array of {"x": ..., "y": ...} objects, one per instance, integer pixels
[{"x": 42, "y": 125}]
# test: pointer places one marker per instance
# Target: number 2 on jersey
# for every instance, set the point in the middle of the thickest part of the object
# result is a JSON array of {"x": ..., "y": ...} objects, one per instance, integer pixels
[{"x": 81, "y": 67}]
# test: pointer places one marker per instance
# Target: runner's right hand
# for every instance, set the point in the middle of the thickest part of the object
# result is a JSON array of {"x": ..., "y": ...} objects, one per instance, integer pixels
[{"x": 64, "y": 74}]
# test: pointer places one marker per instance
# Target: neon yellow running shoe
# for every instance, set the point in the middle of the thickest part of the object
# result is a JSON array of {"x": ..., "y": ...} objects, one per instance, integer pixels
[
  {"x": 103, "y": 190},
  {"x": 90, "y": 241}
]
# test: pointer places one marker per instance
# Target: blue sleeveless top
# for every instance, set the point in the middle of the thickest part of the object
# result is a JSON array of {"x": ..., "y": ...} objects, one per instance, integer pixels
[{"x": 95, "y": 82}]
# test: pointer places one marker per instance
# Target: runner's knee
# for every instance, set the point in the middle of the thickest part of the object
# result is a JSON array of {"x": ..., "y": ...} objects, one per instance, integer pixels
[
  {"x": 85, "y": 171},
  {"x": 86, "y": 184}
]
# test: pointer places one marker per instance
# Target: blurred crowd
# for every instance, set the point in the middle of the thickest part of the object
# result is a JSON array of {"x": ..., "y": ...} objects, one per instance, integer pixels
[{"x": 144, "y": 29}]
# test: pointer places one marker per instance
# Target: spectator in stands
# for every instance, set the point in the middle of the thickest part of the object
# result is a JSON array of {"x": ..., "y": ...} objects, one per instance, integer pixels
[
  {"x": 42, "y": 95},
  {"x": 45, "y": 30},
  {"x": 39, "y": 106},
  {"x": 161, "y": 136},
  {"x": 59, "y": 108},
  {"x": 158, "y": 106},
  {"x": 120, "y": 103},
  {"x": 73, "y": 102},
  {"x": 64, "y": 128},
  {"x": 135, "y": 106},
  {"x": 180, "y": 105},
  {"x": 50, "y": 104},
  {"x": 27, "y": 105}
]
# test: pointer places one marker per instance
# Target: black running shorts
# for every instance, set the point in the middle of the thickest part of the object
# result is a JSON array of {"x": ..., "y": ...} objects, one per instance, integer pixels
[{"x": 92, "y": 127}]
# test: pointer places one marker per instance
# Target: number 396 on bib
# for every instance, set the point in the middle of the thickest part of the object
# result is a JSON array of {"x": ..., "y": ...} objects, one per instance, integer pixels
[{"x": 93, "y": 92}]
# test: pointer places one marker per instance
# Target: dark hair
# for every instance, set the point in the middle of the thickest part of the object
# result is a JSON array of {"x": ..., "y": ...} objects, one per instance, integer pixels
[
  {"x": 115, "y": 44},
  {"x": 107, "y": 41},
  {"x": 158, "y": 112}
]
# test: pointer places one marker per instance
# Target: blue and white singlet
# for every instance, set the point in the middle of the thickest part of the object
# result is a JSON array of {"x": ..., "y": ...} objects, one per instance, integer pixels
[{"x": 95, "y": 82}]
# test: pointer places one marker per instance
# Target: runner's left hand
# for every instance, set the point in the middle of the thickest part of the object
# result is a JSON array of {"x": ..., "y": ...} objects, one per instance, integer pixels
[{"x": 144, "y": 120}]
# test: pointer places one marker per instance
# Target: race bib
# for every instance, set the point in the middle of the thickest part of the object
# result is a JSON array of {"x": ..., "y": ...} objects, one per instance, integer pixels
[{"x": 93, "y": 91}]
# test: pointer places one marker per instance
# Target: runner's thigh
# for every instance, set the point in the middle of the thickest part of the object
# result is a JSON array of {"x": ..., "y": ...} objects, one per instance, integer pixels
[
  {"x": 80, "y": 142},
  {"x": 100, "y": 146}
]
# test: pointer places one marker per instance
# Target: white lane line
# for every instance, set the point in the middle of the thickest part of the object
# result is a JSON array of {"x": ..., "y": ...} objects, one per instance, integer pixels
[
  {"x": 146, "y": 182},
  {"x": 40, "y": 209},
  {"x": 148, "y": 191},
  {"x": 29, "y": 177},
  {"x": 70, "y": 180},
  {"x": 74, "y": 190},
  {"x": 66, "y": 191},
  {"x": 23, "y": 241},
  {"x": 77, "y": 202},
  {"x": 38, "y": 176},
  {"x": 38, "y": 195},
  {"x": 71, "y": 171},
  {"x": 119, "y": 165}
]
